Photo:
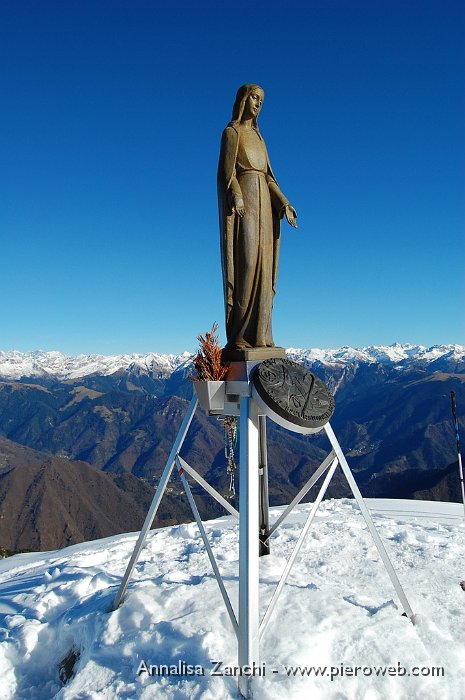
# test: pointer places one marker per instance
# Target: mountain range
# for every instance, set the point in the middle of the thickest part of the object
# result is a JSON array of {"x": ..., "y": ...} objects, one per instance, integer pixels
[
  {"x": 99, "y": 430},
  {"x": 57, "y": 365}
]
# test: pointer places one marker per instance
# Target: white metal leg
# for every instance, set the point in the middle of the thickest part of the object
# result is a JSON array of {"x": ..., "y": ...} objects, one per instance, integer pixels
[
  {"x": 248, "y": 542},
  {"x": 209, "y": 489},
  {"x": 369, "y": 521},
  {"x": 156, "y": 500},
  {"x": 198, "y": 520}
]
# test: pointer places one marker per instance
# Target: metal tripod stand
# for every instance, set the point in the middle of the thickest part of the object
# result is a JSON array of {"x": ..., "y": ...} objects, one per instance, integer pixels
[{"x": 253, "y": 515}]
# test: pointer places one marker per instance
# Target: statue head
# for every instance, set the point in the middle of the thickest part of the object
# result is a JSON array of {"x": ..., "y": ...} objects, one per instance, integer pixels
[{"x": 242, "y": 96}]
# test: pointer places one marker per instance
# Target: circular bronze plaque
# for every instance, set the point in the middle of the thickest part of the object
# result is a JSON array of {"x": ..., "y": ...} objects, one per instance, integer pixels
[{"x": 292, "y": 396}]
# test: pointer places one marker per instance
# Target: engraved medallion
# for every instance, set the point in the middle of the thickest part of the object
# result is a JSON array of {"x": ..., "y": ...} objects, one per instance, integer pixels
[{"x": 291, "y": 395}]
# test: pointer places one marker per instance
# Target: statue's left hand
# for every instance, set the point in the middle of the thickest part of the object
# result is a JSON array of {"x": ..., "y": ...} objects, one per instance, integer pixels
[{"x": 291, "y": 215}]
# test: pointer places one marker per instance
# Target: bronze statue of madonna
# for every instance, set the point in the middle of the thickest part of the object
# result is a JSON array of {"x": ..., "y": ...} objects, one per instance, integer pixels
[{"x": 251, "y": 207}]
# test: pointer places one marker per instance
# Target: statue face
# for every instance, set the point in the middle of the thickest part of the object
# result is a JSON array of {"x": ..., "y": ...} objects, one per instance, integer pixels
[{"x": 253, "y": 104}]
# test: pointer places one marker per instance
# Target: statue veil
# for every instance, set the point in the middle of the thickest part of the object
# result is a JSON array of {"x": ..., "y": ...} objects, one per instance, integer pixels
[{"x": 239, "y": 104}]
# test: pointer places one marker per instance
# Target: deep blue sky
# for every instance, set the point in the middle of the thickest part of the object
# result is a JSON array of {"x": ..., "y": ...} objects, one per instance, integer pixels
[{"x": 111, "y": 119}]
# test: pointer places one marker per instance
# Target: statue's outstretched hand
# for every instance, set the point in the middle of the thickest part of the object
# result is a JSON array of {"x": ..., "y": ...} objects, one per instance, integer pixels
[{"x": 291, "y": 215}]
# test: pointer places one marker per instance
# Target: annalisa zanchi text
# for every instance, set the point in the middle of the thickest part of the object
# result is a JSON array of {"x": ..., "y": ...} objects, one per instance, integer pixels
[{"x": 218, "y": 668}]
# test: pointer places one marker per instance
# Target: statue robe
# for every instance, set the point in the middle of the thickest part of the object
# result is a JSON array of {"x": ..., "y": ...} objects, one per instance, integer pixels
[{"x": 249, "y": 244}]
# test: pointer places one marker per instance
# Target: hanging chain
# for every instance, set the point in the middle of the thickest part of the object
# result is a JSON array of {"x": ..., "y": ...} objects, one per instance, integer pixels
[{"x": 230, "y": 443}]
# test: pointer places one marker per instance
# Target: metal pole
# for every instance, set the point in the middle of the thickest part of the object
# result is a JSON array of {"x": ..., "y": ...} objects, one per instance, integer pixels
[
  {"x": 457, "y": 438},
  {"x": 156, "y": 500},
  {"x": 248, "y": 653},
  {"x": 264, "y": 547}
]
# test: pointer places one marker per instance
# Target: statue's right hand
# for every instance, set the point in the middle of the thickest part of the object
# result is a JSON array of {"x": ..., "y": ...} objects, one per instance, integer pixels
[
  {"x": 239, "y": 206},
  {"x": 291, "y": 215}
]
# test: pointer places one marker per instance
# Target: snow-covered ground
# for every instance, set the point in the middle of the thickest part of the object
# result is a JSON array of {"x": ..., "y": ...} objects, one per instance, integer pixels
[{"x": 337, "y": 610}]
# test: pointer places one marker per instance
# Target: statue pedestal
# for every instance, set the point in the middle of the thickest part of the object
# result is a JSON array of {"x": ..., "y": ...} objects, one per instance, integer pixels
[{"x": 252, "y": 354}]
